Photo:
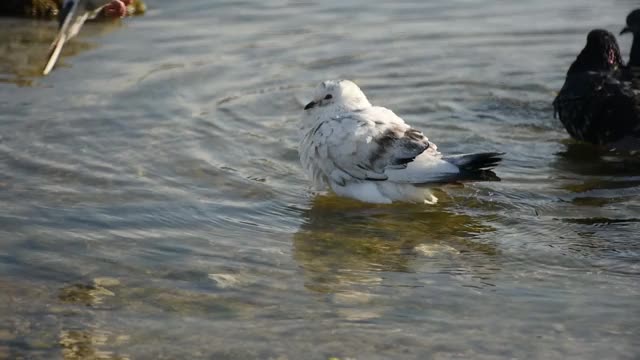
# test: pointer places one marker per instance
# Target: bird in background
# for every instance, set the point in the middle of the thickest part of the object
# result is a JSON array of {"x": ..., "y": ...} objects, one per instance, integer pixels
[
  {"x": 597, "y": 103},
  {"x": 633, "y": 27},
  {"x": 368, "y": 153},
  {"x": 72, "y": 16}
]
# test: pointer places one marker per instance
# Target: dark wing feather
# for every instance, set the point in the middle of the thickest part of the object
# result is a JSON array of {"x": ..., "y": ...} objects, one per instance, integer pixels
[
  {"x": 598, "y": 107},
  {"x": 397, "y": 146}
]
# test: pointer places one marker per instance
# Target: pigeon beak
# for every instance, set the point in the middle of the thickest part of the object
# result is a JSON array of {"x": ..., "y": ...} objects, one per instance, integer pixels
[
  {"x": 625, "y": 30},
  {"x": 310, "y": 105}
]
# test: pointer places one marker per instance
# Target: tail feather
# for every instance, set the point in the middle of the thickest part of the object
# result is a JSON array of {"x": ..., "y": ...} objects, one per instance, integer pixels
[
  {"x": 475, "y": 162},
  {"x": 473, "y": 167},
  {"x": 427, "y": 169}
]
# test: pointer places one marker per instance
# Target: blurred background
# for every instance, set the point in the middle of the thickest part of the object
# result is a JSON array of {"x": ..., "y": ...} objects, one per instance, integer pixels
[{"x": 152, "y": 205}]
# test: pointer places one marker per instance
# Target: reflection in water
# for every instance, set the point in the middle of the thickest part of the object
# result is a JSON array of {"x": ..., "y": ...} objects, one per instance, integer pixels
[
  {"x": 345, "y": 242},
  {"x": 587, "y": 159},
  {"x": 24, "y": 46},
  {"x": 596, "y": 177},
  {"x": 84, "y": 345},
  {"x": 82, "y": 336},
  {"x": 87, "y": 295},
  {"x": 596, "y": 206}
]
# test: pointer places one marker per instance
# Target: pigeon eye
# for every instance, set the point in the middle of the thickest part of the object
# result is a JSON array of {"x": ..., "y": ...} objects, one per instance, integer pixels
[{"x": 329, "y": 96}]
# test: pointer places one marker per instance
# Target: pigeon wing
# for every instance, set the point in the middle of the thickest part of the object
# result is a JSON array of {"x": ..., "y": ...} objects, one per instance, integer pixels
[
  {"x": 589, "y": 102},
  {"x": 362, "y": 145}
]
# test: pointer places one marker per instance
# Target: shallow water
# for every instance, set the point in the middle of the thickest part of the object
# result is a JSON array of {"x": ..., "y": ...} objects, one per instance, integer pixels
[{"x": 152, "y": 205}]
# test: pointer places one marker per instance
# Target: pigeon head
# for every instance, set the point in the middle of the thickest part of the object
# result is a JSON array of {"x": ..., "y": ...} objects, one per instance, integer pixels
[
  {"x": 338, "y": 94},
  {"x": 600, "y": 54},
  {"x": 633, "y": 23}
]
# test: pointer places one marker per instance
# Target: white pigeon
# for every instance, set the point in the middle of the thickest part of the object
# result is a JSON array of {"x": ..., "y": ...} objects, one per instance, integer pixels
[
  {"x": 368, "y": 153},
  {"x": 73, "y": 15}
]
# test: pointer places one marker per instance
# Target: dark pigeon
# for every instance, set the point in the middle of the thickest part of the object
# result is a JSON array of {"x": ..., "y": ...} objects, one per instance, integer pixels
[
  {"x": 633, "y": 27},
  {"x": 597, "y": 103}
]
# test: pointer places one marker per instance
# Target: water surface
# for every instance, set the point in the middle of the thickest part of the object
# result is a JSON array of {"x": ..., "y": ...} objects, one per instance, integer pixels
[{"x": 152, "y": 205}]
